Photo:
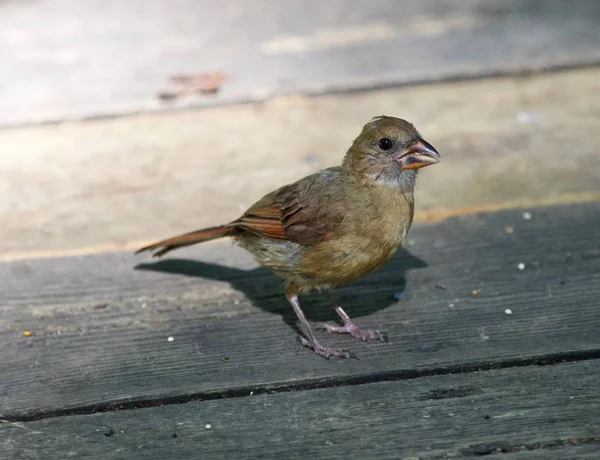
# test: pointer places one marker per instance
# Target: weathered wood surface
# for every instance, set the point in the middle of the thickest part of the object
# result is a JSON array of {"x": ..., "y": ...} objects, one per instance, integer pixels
[
  {"x": 547, "y": 412},
  {"x": 100, "y": 327},
  {"x": 106, "y": 184},
  {"x": 68, "y": 59}
]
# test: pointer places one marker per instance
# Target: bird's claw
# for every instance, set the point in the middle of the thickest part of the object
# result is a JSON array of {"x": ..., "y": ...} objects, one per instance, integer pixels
[
  {"x": 326, "y": 352},
  {"x": 351, "y": 328}
]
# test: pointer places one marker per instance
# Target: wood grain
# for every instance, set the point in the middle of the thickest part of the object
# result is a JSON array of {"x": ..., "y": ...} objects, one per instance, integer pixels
[
  {"x": 100, "y": 328},
  {"x": 547, "y": 412}
]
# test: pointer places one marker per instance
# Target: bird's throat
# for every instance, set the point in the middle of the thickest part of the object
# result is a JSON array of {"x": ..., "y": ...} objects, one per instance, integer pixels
[{"x": 404, "y": 179}]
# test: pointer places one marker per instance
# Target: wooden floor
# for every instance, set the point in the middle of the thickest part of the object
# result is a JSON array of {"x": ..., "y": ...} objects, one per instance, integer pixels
[
  {"x": 493, "y": 317},
  {"x": 195, "y": 357}
]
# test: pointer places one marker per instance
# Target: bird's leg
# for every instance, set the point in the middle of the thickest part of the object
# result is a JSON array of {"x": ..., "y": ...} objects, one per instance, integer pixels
[
  {"x": 350, "y": 326},
  {"x": 310, "y": 341}
]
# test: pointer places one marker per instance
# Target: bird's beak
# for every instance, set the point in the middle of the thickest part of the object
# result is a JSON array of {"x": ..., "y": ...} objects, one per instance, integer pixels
[{"x": 420, "y": 154}]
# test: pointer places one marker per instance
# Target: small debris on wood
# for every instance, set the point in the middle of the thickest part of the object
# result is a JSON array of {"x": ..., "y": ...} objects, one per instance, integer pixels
[
  {"x": 311, "y": 158},
  {"x": 204, "y": 83},
  {"x": 110, "y": 433},
  {"x": 509, "y": 229},
  {"x": 170, "y": 339},
  {"x": 208, "y": 426},
  {"x": 174, "y": 435},
  {"x": 521, "y": 266},
  {"x": 527, "y": 215},
  {"x": 475, "y": 292},
  {"x": 528, "y": 117},
  {"x": 508, "y": 311},
  {"x": 27, "y": 333},
  {"x": 441, "y": 287},
  {"x": 483, "y": 333},
  {"x": 170, "y": 94},
  {"x": 400, "y": 296}
]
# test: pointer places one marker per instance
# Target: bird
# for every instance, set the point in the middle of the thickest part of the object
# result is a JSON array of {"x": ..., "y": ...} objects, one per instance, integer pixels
[{"x": 332, "y": 227}]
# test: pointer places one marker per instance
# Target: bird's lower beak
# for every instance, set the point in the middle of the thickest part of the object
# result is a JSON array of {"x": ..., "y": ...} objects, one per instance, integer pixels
[{"x": 418, "y": 155}]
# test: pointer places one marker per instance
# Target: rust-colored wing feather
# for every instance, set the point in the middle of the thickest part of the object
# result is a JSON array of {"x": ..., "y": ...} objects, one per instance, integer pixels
[{"x": 306, "y": 212}]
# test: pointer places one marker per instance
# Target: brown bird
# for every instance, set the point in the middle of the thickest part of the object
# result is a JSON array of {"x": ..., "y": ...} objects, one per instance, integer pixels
[{"x": 335, "y": 226}]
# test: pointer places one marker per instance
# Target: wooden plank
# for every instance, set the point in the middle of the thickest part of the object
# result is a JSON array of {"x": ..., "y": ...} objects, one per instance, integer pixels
[
  {"x": 65, "y": 59},
  {"x": 100, "y": 328},
  {"x": 548, "y": 412},
  {"x": 107, "y": 184}
]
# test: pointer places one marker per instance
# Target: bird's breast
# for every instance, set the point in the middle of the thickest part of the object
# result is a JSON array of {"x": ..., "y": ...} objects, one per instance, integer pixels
[{"x": 366, "y": 240}]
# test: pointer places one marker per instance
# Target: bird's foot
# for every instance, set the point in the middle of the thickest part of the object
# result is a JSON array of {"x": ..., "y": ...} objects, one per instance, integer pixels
[
  {"x": 326, "y": 352},
  {"x": 357, "y": 332}
]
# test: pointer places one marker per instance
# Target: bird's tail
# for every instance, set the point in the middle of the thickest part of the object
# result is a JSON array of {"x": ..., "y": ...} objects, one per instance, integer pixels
[{"x": 187, "y": 239}]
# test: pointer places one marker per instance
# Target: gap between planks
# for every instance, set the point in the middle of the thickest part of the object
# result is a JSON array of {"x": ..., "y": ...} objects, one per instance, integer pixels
[
  {"x": 460, "y": 416},
  {"x": 310, "y": 384}
]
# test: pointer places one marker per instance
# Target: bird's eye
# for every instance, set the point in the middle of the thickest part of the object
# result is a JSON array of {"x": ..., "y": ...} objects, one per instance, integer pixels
[{"x": 384, "y": 144}]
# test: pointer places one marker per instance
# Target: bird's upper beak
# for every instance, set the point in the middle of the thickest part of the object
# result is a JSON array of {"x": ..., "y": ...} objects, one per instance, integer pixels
[{"x": 419, "y": 154}]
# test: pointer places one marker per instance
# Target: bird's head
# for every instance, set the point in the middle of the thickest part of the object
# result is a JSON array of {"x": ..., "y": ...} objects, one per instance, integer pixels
[{"x": 389, "y": 150}]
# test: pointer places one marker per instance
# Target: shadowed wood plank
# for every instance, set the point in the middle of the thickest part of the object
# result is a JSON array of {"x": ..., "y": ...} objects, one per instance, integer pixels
[
  {"x": 100, "y": 328},
  {"x": 545, "y": 412},
  {"x": 67, "y": 59}
]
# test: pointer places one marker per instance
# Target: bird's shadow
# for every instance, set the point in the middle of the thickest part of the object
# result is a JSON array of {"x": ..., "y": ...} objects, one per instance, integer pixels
[{"x": 265, "y": 290}]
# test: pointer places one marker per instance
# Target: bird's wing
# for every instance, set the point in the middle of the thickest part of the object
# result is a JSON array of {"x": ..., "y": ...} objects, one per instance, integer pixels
[{"x": 306, "y": 212}]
